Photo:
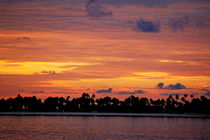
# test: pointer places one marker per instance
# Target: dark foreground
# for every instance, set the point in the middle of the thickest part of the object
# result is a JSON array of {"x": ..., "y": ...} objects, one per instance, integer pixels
[
  {"x": 86, "y": 103},
  {"x": 102, "y": 128},
  {"x": 104, "y": 114}
]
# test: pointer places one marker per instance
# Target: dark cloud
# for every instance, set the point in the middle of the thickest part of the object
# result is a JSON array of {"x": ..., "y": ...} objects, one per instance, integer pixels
[
  {"x": 148, "y": 3},
  {"x": 37, "y": 92},
  {"x": 181, "y": 23},
  {"x": 48, "y": 72},
  {"x": 147, "y": 26},
  {"x": 28, "y": 39},
  {"x": 180, "y": 94},
  {"x": 195, "y": 94},
  {"x": 109, "y": 90},
  {"x": 21, "y": 90},
  {"x": 95, "y": 9},
  {"x": 175, "y": 87},
  {"x": 62, "y": 92},
  {"x": 170, "y": 86},
  {"x": 129, "y": 92},
  {"x": 173, "y": 94},
  {"x": 205, "y": 89},
  {"x": 152, "y": 3},
  {"x": 207, "y": 93},
  {"x": 139, "y": 92},
  {"x": 160, "y": 85}
]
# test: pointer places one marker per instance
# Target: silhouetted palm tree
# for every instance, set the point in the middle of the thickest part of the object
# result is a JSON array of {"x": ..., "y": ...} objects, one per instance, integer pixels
[{"x": 88, "y": 103}]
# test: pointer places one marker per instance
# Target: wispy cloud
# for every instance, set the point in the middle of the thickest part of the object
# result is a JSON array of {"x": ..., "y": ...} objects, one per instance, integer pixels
[
  {"x": 62, "y": 92},
  {"x": 48, "y": 72},
  {"x": 183, "y": 22},
  {"x": 37, "y": 92},
  {"x": 207, "y": 93},
  {"x": 27, "y": 39},
  {"x": 95, "y": 9},
  {"x": 173, "y": 94},
  {"x": 147, "y": 3},
  {"x": 131, "y": 92},
  {"x": 153, "y": 3},
  {"x": 180, "y": 94}
]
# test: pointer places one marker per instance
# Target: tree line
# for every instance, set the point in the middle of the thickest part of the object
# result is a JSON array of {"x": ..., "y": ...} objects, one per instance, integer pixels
[{"x": 87, "y": 103}]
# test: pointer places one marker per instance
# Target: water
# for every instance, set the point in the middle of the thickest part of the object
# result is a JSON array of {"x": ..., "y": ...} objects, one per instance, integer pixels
[{"x": 102, "y": 128}]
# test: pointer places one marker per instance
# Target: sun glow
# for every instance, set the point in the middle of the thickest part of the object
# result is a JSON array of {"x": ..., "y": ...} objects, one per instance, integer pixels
[
  {"x": 170, "y": 61},
  {"x": 26, "y": 68},
  {"x": 151, "y": 74}
]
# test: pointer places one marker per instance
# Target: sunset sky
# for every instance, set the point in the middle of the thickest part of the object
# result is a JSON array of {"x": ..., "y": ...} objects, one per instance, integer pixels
[{"x": 107, "y": 47}]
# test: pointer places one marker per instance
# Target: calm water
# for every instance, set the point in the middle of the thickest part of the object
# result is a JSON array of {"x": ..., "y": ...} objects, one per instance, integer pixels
[{"x": 102, "y": 128}]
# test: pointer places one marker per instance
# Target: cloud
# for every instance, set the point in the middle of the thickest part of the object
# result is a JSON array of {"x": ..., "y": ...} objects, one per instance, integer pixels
[
  {"x": 180, "y": 94},
  {"x": 12, "y": 65},
  {"x": 205, "y": 89},
  {"x": 181, "y": 23},
  {"x": 152, "y": 3},
  {"x": 62, "y": 92},
  {"x": 148, "y": 26},
  {"x": 21, "y": 90},
  {"x": 95, "y": 9},
  {"x": 160, "y": 85},
  {"x": 175, "y": 87},
  {"x": 148, "y": 3},
  {"x": 24, "y": 39},
  {"x": 170, "y": 86},
  {"x": 173, "y": 94},
  {"x": 207, "y": 93},
  {"x": 109, "y": 90},
  {"x": 129, "y": 92},
  {"x": 48, "y": 72},
  {"x": 37, "y": 92}
]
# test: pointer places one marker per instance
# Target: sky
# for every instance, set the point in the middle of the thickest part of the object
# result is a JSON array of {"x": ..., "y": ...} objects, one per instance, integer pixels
[{"x": 105, "y": 47}]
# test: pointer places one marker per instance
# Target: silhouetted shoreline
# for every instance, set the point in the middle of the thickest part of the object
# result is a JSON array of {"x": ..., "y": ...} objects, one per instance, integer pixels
[
  {"x": 86, "y": 103},
  {"x": 100, "y": 114}
]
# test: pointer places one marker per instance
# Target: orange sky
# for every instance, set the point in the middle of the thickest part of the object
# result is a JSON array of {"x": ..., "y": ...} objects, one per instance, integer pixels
[{"x": 62, "y": 48}]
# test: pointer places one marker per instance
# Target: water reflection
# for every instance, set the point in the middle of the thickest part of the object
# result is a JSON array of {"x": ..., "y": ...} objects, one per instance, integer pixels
[{"x": 102, "y": 128}]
